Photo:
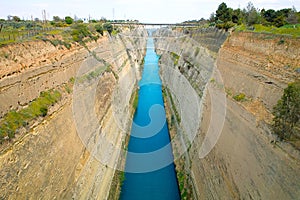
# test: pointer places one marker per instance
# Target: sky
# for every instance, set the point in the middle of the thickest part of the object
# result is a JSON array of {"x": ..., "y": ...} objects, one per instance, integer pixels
[{"x": 147, "y": 11}]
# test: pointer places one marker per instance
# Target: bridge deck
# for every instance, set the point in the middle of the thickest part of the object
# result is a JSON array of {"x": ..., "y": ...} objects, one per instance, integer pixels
[{"x": 155, "y": 24}]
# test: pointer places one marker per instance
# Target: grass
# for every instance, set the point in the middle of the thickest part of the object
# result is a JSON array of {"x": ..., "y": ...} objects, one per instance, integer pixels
[
  {"x": 57, "y": 42},
  {"x": 55, "y": 32},
  {"x": 229, "y": 91},
  {"x": 183, "y": 180},
  {"x": 293, "y": 30},
  {"x": 136, "y": 101},
  {"x": 240, "y": 97},
  {"x": 123, "y": 65},
  {"x": 72, "y": 80},
  {"x": 76, "y": 33},
  {"x": 121, "y": 177},
  {"x": 93, "y": 74},
  {"x": 15, "y": 120},
  {"x": 114, "y": 32},
  {"x": 166, "y": 93},
  {"x": 68, "y": 89},
  {"x": 18, "y": 35},
  {"x": 6, "y": 42},
  {"x": 175, "y": 57}
]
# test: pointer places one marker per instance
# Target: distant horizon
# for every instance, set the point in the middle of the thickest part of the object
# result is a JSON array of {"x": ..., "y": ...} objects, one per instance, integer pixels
[{"x": 146, "y": 11}]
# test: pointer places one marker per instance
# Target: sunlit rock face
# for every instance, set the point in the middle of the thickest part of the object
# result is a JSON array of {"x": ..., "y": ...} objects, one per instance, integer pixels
[
  {"x": 65, "y": 156},
  {"x": 226, "y": 144}
]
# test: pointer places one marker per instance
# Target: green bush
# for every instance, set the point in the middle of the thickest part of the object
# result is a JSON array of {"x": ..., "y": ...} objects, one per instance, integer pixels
[
  {"x": 68, "y": 20},
  {"x": 14, "y": 120},
  {"x": 99, "y": 28},
  {"x": 72, "y": 80},
  {"x": 108, "y": 27},
  {"x": 79, "y": 32},
  {"x": 44, "y": 111},
  {"x": 287, "y": 112},
  {"x": 175, "y": 57},
  {"x": 240, "y": 97},
  {"x": 67, "y": 45},
  {"x": 136, "y": 101},
  {"x": 55, "y": 42},
  {"x": 280, "y": 42},
  {"x": 226, "y": 25},
  {"x": 68, "y": 89}
]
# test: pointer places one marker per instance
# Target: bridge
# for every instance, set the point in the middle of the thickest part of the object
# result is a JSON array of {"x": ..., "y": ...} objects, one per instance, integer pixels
[{"x": 156, "y": 24}]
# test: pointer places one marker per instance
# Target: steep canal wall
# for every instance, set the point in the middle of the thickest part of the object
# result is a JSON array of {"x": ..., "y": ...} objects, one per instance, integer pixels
[
  {"x": 223, "y": 145},
  {"x": 64, "y": 155},
  {"x": 219, "y": 90}
]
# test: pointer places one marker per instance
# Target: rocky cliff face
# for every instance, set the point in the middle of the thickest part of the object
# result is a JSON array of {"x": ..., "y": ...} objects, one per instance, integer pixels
[
  {"x": 29, "y": 68},
  {"x": 260, "y": 64},
  {"x": 222, "y": 146},
  {"x": 226, "y": 144},
  {"x": 64, "y": 156}
]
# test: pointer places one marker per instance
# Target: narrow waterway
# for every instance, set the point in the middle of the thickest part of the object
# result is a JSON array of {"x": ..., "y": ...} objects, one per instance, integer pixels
[{"x": 149, "y": 170}]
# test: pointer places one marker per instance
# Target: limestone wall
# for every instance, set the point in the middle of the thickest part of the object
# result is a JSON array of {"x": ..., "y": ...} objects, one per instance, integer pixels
[
  {"x": 73, "y": 152},
  {"x": 243, "y": 163}
]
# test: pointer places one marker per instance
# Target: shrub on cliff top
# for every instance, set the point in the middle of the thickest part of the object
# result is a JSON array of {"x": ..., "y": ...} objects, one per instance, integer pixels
[
  {"x": 108, "y": 27},
  {"x": 287, "y": 112},
  {"x": 68, "y": 20},
  {"x": 80, "y": 31},
  {"x": 99, "y": 28}
]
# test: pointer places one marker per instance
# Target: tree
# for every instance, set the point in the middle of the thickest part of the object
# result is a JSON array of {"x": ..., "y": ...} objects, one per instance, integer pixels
[
  {"x": 281, "y": 16},
  {"x": 237, "y": 16},
  {"x": 68, "y": 20},
  {"x": 252, "y": 14},
  {"x": 212, "y": 18},
  {"x": 93, "y": 21},
  {"x": 292, "y": 16},
  {"x": 269, "y": 15},
  {"x": 56, "y": 18},
  {"x": 279, "y": 21},
  {"x": 287, "y": 112},
  {"x": 16, "y": 18},
  {"x": 284, "y": 12},
  {"x": 223, "y": 13}
]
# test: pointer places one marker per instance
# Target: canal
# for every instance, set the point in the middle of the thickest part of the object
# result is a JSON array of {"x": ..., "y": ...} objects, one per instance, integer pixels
[{"x": 149, "y": 169}]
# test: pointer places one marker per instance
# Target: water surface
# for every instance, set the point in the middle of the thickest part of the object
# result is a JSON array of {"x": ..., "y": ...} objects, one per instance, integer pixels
[{"x": 149, "y": 170}]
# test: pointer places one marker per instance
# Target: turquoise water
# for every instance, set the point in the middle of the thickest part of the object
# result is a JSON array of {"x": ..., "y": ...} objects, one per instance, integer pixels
[{"x": 149, "y": 169}]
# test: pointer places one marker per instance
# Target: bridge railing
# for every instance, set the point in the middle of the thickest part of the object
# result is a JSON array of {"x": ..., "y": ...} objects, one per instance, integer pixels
[{"x": 157, "y": 24}]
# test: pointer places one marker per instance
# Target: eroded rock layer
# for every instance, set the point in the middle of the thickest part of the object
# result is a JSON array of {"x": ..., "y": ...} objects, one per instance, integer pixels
[
  {"x": 55, "y": 159},
  {"x": 227, "y": 146}
]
